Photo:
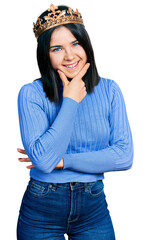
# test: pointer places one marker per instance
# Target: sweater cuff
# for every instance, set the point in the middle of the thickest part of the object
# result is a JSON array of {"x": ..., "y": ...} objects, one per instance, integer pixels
[
  {"x": 67, "y": 161},
  {"x": 68, "y": 99}
]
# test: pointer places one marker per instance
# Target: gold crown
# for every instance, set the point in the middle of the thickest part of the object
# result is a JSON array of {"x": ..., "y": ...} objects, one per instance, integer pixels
[{"x": 56, "y": 18}]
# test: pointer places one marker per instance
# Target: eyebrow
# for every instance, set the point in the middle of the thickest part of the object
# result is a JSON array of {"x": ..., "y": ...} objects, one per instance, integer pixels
[{"x": 58, "y": 46}]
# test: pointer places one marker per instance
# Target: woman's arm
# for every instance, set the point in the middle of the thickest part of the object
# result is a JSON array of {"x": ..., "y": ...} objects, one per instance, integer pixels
[
  {"x": 44, "y": 144},
  {"x": 119, "y": 154},
  {"x": 26, "y": 159}
]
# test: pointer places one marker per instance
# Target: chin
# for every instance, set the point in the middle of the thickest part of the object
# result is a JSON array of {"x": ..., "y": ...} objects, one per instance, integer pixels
[{"x": 71, "y": 75}]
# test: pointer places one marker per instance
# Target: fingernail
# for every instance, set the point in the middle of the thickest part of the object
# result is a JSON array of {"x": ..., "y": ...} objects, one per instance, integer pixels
[{"x": 58, "y": 71}]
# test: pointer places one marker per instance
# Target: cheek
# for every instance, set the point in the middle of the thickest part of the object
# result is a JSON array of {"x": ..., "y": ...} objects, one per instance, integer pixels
[
  {"x": 83, "y": 55},
  {"x": 55, "y": 60}
]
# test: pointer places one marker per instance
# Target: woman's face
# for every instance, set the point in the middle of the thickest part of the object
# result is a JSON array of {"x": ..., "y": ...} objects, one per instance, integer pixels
[{"x": 66, "y": 54}]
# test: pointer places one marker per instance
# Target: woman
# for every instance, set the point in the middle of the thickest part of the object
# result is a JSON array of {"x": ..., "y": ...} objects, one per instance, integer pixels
[{"x": 74, "y": 127}]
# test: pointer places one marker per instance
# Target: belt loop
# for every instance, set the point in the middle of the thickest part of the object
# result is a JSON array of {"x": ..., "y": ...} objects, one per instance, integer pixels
[
  {"x": 72, "y": 186},
  {"x": 86, "y": 187}
]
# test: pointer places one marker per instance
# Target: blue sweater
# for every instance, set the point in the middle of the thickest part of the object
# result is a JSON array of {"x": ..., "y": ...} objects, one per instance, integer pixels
[{"x": 92, "y": 136}]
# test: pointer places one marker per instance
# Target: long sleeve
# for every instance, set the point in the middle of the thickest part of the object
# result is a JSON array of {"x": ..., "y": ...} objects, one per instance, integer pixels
[
  {"x": 44, "y": 144},
  {"x": 119, "y": 153}
]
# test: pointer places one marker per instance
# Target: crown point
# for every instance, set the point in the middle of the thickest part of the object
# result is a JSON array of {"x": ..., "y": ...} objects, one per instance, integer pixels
[
  {"x": 52, "y": 8},
  {"x": 56, "y": 18}
]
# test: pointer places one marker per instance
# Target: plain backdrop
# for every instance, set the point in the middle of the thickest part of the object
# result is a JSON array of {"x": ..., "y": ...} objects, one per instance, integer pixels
[{"x": 119, "y": 31}]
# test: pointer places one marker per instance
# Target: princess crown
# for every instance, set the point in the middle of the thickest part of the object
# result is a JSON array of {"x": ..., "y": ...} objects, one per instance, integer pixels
[{"x": 56, "y": 18}]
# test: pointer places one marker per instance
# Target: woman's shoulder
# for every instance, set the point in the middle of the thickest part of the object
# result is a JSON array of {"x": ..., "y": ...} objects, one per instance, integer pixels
[
  {"x": 108, "y": 87},
  {"x": 109, "y": 84},
  {"x": 111, "y": 89},
  {"x": 106, "y": 81},
  {"x": 32, "y": 89}
]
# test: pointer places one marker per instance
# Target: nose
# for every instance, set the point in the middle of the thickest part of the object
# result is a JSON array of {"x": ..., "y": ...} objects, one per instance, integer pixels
[{"x": 69, "y": 54}]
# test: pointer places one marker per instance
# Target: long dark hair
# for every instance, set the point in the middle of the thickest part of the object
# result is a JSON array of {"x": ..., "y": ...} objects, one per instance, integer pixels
[{"x": 49, "y": 76}]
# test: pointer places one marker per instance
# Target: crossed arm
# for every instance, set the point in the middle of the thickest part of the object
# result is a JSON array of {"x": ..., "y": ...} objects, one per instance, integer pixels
[
  {"x": 117, "y": 156},
  {"x": 26, "y": 159}
]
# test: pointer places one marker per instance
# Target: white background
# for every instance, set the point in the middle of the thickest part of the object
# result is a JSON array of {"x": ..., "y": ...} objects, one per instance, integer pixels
[{"x": 119, "y": 31}]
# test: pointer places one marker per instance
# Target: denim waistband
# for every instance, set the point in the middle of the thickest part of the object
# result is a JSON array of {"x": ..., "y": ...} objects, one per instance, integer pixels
[{"x": 72, "y": 185}]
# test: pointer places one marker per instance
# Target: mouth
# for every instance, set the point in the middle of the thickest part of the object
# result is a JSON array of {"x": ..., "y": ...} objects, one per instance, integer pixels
[{"x": 72, "y": 66}]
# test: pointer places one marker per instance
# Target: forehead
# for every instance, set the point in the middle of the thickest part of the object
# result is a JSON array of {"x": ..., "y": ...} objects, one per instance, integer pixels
[{"x": 62, "y": 35}]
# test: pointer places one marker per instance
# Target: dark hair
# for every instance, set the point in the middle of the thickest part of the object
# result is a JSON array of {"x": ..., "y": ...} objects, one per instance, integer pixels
[{"x": 49, "y": 76}]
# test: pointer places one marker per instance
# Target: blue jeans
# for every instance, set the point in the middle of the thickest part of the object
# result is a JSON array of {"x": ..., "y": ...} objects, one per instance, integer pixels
[{"x": 50, "y": 210}]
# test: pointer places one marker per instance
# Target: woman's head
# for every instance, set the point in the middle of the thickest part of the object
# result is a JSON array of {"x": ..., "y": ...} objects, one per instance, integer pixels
[
  {"x": 66, "y": 47},
  {"x": 66, "y": 53}
]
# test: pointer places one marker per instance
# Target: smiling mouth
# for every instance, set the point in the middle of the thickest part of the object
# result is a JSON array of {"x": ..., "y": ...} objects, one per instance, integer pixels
[{"x": 71, "y": 66}]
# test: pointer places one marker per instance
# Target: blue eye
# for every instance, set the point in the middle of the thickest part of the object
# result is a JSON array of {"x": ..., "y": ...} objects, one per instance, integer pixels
[
  {"x": 76, "y": 44},
  {"x": 56, "y": 49}
]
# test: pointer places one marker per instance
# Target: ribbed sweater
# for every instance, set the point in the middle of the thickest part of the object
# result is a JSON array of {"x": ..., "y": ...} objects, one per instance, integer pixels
[{"x": 93, "y": 136}]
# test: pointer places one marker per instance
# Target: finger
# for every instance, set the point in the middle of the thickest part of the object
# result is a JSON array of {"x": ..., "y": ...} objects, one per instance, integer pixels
[
  {"x": 24, "y": 159},
  {"x": 21, "y": 150},
  {"x": 30, "y": 166},
  {"x": 63, "y": 78},
  {"x": 83, "y": 71}
]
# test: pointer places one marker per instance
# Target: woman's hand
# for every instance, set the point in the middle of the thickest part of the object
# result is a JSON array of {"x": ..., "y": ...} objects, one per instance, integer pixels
[
  {"x": 22, "y": 151},
  {"x": 26, "y": 159},
  {"x": 74, "y": 89}
]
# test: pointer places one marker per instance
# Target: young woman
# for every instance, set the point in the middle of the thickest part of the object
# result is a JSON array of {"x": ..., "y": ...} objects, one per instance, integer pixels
[{"x": 74, "y": 127}]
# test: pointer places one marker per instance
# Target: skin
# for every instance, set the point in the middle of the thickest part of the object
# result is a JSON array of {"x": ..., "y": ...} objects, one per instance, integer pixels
[
  {"x": 69, "y": 58},
  {"x": 66, "y": 54}
]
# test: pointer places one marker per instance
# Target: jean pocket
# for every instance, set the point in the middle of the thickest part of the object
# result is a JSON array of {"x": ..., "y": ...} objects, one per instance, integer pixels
[
  {"x": 96, "y": 189},
  {"x": 38, "y": 189}
]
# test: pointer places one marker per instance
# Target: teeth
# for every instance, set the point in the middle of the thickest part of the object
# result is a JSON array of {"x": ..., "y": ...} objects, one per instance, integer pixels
[{"x": 73, "y": 65}]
